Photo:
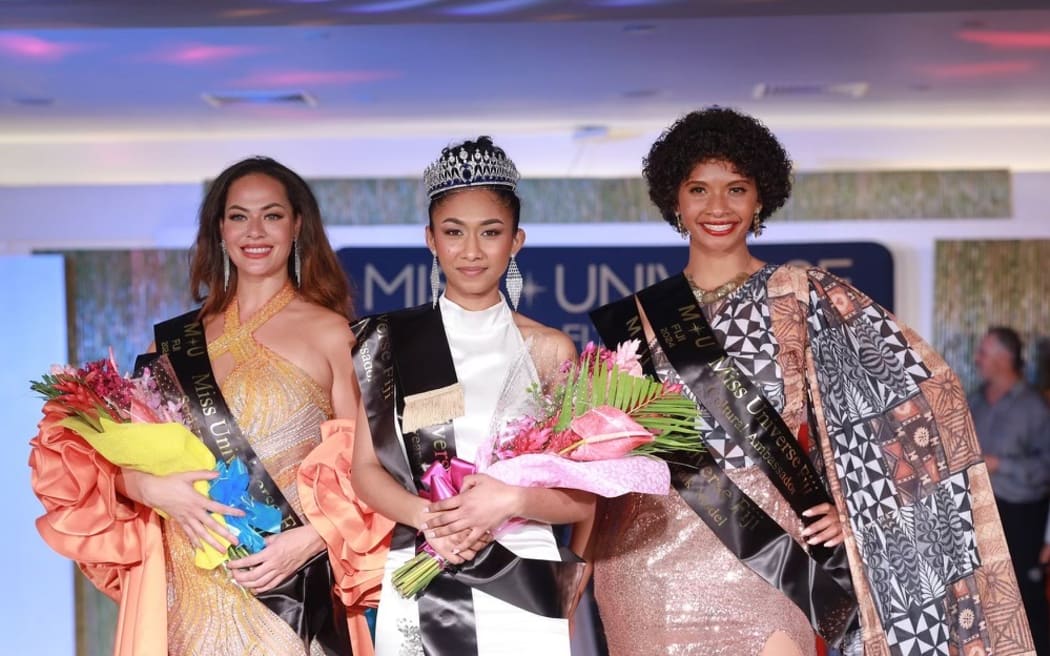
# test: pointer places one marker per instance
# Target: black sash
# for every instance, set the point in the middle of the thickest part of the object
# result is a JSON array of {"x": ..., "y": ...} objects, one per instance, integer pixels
[
  {"x": 306, "y": 600},
  {"x": 818, "y": 582},
  {"x": 387, "y": 373}
]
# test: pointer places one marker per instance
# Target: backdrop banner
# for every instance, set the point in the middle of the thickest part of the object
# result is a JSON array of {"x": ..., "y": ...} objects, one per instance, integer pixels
[{"x": 563, "y": 284}]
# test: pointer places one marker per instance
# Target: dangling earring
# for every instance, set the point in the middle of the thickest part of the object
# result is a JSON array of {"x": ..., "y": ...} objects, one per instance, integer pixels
[
  {"x": 679, "y": 227},
  {"x": 297, "y": 263},
  {"x": 514, "y": 284},
  {"x": 435, "y": 280},
  {"x": 756, "y": 225},
  {"x": 225, "y": 267}
]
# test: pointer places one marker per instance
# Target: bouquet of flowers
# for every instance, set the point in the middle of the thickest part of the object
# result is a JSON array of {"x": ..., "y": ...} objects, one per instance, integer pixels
[
  {"x": 607, "y": 429},
  {"x": 130, "y": 423}
]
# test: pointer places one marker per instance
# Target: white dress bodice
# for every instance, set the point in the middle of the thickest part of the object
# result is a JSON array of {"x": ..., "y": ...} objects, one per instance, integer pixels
[{"x": 485, "y": 344}]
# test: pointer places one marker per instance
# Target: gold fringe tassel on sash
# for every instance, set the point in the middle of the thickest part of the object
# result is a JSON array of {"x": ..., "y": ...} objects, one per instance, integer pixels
[{"x": 433, "y": 407}]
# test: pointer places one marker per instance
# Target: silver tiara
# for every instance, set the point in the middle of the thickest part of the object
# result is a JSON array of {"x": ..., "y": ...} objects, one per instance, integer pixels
[{"x": 461, "y": 168}]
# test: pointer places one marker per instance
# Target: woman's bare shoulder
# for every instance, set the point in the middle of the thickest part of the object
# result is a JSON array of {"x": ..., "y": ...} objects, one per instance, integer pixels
[
  {"x": 549, "y": 339},
  {"x": 321, "y": 325}
]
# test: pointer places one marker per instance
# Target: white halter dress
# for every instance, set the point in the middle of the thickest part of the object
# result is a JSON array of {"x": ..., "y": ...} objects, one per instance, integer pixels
[{"x": 485, "y": 345}]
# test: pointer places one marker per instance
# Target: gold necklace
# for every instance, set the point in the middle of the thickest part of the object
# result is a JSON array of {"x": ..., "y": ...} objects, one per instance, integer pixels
[{"x": 707, "y": 296}]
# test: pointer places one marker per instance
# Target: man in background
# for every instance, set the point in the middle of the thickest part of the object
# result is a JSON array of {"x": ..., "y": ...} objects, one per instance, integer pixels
[{"x": 1013, "y": 428}]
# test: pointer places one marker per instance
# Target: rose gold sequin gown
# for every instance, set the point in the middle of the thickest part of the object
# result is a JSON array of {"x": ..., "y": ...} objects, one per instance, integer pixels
[
  {"x": 664, "y": 583},
  {"x": 279, "y": 409}
]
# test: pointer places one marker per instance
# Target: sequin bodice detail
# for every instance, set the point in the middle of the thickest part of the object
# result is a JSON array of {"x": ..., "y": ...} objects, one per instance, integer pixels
[
  {"x": 257, "y": 367},
  {"x": 696, "y": 597},
  {"x": 277, "y": 405},
  {"x": 279, "y": 409}
]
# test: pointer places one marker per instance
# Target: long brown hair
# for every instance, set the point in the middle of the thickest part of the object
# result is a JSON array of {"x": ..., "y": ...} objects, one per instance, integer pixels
[{"x": 323, "y": 280}]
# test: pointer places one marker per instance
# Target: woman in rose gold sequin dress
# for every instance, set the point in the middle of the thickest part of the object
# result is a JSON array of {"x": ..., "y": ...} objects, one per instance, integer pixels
[
  {"x": 664, "y": 582},
  {"x": 279, "y": 343},
  {"x": 891, "y": 443}
]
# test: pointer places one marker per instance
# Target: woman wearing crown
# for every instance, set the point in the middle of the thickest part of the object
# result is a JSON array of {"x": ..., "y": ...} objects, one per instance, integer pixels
[{"x": 431, "y": 380}]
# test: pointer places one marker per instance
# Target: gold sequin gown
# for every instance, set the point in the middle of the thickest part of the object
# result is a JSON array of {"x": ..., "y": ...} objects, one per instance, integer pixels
[
  {"x": 279, "y": 408},
  {"x": 664, "y": 583}
]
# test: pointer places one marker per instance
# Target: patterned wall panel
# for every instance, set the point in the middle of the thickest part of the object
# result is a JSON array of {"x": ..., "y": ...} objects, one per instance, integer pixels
[
  {"x": 900, "y": 195},
  {"x": 117, "y": 296},
  {"x": 114, "y": 298},
  {"x": 370, "y": 202},
  {"x": 985, "y": 283},
  {"x": 817, "y": 196}
]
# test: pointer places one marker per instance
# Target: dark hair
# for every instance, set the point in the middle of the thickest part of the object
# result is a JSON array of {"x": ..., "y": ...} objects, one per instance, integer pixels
[
  {"x": 506, "y": 197},
  {"x": 323, "y": 280},
  {"x": 1011, "y": 341},
  {"x": 717, "y": 133}
]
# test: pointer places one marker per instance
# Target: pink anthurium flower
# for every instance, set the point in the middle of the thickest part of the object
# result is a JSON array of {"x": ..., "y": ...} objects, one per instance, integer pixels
[{"x": 605, "y": 432}]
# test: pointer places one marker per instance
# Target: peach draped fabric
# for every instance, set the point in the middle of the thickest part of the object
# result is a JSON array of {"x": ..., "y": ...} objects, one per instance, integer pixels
[
  {"x": 116, "y": 544},
  {"x": 358, "y": 538},
  {"x": 119, "y": 548},
  {"x": 122, "y": 548}
]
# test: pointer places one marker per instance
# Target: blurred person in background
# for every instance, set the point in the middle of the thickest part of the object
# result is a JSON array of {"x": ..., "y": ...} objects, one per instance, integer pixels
[{"x": 1013, "y": 427}]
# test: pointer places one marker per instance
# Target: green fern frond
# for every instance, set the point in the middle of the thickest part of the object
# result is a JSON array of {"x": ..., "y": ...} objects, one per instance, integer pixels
[
  {"x": 601, "y": 385},
  {"x": 582, "y": 390},
  {"x": 621, "y": 388},
  {"x": 669, "y": 416}
]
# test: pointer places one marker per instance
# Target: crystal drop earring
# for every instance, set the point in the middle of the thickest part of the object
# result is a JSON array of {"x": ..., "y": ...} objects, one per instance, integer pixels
[
  {"x": 435, "y": 280},
  {"x": 297, "y": 264},
  {"x": 225, "y": 267},
  {"x": 514, "y": 283}
]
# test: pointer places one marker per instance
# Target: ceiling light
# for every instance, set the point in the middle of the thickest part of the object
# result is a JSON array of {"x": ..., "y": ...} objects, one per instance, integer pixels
[
  {"x": 852, "y": 90},
  {"x": 388, "y": 6},
  {"x": 34, "y": 102},
  {"x": 491, "y": 8},
  {"x": 641, "y": 93},
  {"x": 630, "y": 3},
  {"x": 588, "y": 132},
  {"x": 639, "y": 29},
  {"x": 226, "y": 99}
]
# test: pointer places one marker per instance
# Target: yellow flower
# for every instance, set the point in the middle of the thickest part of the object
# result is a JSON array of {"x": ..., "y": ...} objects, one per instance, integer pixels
[{"x": 158, "y": 449}]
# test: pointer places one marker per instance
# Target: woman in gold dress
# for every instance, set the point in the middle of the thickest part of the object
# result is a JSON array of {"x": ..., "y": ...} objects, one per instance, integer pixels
[
  {"x": 275, "y": 319},
  {"x": 839, "y": 438}
]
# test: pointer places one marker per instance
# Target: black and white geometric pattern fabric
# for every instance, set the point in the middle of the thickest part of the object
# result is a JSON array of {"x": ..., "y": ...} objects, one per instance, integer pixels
[
  {"x": 913, "y": 555},
  {"x": 870, "y": 492},
  {"x": 913, "y": 522},
  {"x": 743, "y": 326},
  {"x": 889, "y": 335}
]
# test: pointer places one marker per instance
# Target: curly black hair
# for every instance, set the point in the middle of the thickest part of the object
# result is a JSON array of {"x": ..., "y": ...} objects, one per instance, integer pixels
[{"x": 717, "y": 133}]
